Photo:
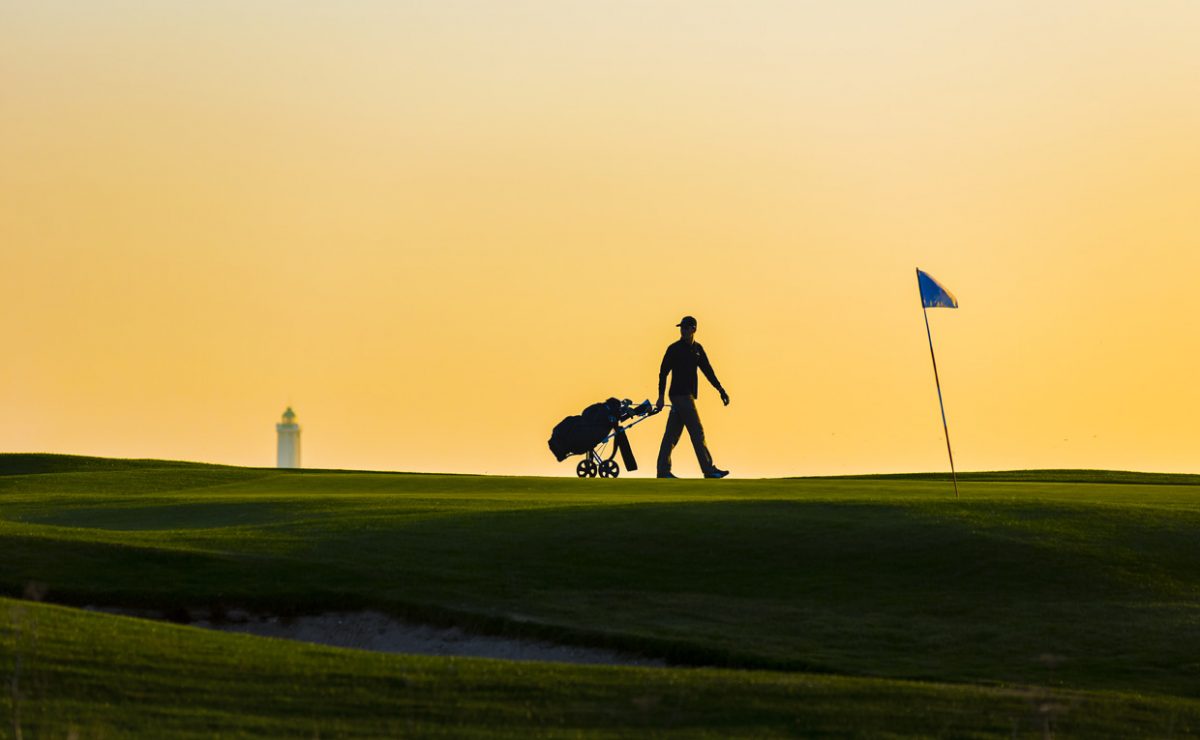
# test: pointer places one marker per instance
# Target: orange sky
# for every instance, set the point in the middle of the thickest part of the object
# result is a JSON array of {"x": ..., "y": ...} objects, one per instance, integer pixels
[{"x": 437, "y": 228}]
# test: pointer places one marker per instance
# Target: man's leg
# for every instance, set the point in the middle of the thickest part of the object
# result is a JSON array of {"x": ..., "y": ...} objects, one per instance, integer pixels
[
  {"x": 670, "y": 439},
  {"x": 691, "y": 419}
]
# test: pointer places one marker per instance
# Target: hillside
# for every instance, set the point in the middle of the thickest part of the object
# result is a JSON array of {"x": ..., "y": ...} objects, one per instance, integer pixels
[{"x": 1084, "y": 586}]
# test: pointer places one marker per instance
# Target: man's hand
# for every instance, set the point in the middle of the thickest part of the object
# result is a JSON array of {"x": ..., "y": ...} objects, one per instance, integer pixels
[
  {"x": 658, "y": 404},
  {"x": 724, "y": 397}
]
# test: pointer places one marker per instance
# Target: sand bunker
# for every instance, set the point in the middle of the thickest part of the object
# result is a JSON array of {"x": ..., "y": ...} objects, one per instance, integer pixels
[{"x": 378, "y": 632}]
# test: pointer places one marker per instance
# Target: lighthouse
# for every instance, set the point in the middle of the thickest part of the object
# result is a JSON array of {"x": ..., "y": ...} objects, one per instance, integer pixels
[{"x": 289, "y": 441}]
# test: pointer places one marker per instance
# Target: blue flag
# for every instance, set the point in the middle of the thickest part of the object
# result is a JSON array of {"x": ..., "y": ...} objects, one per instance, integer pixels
[{"x": 933, "y": 295}]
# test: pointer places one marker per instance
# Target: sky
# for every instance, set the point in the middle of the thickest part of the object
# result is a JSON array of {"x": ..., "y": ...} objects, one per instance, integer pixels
[{"x": 435, "y": 229}]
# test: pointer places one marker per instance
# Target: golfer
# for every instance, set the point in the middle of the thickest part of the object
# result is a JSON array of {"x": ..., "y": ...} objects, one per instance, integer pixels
[{"x": 681, "y": 361}]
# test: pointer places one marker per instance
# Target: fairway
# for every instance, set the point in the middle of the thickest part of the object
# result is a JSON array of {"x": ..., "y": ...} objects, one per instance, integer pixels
[{"x": 1086, "y": 583}]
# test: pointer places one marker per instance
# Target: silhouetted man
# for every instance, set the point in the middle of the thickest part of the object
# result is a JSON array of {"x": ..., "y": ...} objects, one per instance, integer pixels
[{"x": 681, "y": 361}]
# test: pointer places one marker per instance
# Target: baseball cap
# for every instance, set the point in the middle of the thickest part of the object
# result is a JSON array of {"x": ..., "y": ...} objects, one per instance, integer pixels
[{"x": 687, "y": 320}]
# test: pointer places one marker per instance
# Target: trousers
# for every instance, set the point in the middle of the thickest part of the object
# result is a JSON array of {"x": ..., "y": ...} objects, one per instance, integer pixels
[{"x": 683, "y": 414}]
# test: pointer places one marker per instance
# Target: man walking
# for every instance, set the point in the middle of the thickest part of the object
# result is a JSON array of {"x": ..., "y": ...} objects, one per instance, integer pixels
[{"x": 681, "y": 361}]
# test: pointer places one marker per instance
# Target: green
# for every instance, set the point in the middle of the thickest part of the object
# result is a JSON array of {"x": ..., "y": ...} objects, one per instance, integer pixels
[{"x": 1085, "y": 582}]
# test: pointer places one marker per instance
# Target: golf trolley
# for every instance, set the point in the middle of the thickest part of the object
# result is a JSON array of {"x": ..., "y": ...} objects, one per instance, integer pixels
[{"x": 598, "y": 434}]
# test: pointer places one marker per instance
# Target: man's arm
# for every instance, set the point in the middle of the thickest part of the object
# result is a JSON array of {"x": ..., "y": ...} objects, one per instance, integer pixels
[
  {"x": 706, "y": 368},
  {"x": 663, "y": 370}
]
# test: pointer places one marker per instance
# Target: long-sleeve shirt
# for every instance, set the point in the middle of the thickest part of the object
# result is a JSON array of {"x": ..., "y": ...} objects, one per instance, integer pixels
[{"x": 681, "y": 361}]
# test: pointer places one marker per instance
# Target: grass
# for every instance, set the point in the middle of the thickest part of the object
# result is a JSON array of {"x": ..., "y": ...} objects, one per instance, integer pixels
[
  {"x": 1078, "y": 581},
  {"x": 81, "y": 674}
]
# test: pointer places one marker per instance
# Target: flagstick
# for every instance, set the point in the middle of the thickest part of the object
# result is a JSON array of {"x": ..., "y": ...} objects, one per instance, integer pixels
[{"x": 945, "y": 427}]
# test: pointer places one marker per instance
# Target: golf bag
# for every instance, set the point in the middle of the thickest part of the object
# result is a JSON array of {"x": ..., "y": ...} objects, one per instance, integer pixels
[
  {"x": 575, "y": 435},
  {"x": 597, "y": 425}
]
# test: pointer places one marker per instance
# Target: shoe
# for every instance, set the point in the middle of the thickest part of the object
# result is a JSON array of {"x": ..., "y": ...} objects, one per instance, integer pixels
[
  {"x": 715, "y": 473},
  {"x": 667, "y": 475}
]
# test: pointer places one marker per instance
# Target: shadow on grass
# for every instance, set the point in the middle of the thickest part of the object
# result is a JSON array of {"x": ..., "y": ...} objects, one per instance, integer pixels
[{"x": 1016, "y": 592}]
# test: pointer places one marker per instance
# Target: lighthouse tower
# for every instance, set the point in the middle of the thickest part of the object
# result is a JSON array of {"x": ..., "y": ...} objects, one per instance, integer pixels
[{"x": 289, "y": 440}]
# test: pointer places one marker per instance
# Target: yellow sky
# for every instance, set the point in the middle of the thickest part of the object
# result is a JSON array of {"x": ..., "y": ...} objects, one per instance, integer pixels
[{"x": 437, "y": 228}]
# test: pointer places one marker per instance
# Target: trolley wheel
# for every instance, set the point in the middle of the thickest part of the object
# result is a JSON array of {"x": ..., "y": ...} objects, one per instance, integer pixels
[
  {"x": 586, "y": 469},
  {"x": 609, "y": 469}
]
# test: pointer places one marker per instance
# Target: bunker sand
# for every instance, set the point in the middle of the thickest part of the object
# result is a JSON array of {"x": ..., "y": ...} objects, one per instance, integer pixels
[{"x": 377, "y": 632}]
